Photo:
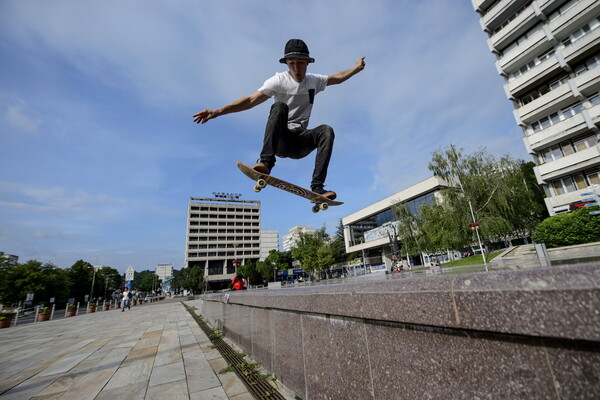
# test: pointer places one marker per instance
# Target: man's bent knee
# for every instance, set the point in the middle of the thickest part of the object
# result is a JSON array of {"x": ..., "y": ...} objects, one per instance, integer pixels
[{"x": 280, "y": 108}]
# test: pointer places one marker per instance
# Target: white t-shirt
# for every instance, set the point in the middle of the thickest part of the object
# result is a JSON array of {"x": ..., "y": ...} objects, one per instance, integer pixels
[{"x": 298, "y": 96}]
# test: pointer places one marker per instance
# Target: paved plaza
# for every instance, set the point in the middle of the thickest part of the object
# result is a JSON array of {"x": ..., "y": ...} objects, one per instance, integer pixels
[{"x": 153, "y": 351}]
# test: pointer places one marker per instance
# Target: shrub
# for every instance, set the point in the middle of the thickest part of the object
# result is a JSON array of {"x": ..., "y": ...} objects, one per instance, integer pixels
[{"x": 576, "y": 227}]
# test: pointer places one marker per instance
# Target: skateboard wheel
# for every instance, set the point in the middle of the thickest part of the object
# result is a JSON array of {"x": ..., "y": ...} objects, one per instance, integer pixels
[
  {"x": 261, "y": 183},
  {"x": 257, "y": 188},
  {"x": 323, "y": 206},
  {"x": 315, "y": 209}
]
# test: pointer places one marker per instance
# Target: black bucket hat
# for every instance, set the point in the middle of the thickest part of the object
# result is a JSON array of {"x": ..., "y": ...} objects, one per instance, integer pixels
[{"x": 296, "y": 48}]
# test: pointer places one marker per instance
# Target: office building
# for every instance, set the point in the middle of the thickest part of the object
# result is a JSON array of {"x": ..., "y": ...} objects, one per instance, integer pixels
[
  {"x": 164, "y": 271},
  {"x": 548, "y": 52},
  {"x": 293, "y": 235},
  {"x": 269, "y": 240},
  {"x": 219, "y": 231},
  {"x": 370, "y": 232}
]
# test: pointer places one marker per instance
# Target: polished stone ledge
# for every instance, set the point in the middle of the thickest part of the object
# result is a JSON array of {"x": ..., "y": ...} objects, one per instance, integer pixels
[
  {"x": 560, "y": 302},
  {"x": 510, "y": 334}
]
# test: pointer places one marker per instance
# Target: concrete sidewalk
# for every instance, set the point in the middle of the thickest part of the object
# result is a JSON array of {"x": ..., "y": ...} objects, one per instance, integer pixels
[{"x": 153, "y": 351}]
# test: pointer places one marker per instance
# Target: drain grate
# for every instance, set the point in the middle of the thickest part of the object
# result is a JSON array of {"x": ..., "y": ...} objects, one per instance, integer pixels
[{"x": 256, "y": 383}]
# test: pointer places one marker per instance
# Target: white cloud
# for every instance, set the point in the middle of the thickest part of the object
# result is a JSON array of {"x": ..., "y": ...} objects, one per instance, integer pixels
[{"x": 17, "y": 116}]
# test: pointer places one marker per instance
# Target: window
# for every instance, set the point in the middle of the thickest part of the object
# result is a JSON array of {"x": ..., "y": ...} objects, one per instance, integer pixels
[
  {"x": 568, "y": 184},
  {"x": 563, "y": 9},
  {"x": 579, "y": 33},
  {"x": 556, "y": 117},
  {"x": 542, "y": 90},
  {"x": 531, "y": 64},
  {"x": 587, "y": 65},
  {"x": 552, "y": 153},
  {"x": 512, "y": 17},
  {"x": 521, "y": 39},
  {"x": 595, "y": 99},
  {"x": 567, "y": 148},
  {"x": 580, "y": 181},
  {"x": 585, "y": 142},
  {"x": 593, "y": 177}
]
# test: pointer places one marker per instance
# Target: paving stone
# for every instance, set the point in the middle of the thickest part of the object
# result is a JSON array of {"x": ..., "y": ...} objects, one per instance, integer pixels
[
  {"x": 91, "y": 357},
  {"x": 167, "y": 373}
]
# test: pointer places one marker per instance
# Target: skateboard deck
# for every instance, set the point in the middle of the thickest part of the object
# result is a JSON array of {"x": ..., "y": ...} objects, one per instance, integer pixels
[{"x": 262, "y": 180}]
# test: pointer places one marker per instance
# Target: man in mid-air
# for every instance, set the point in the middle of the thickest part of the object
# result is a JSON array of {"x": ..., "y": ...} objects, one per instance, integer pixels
[{"x": 287, "y": 133}]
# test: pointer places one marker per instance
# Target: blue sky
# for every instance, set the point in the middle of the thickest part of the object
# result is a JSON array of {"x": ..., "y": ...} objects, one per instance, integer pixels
[{"x": 99, "y": 154}]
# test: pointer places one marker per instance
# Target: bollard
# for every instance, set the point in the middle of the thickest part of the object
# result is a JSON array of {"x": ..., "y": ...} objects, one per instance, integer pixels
[
  {"x": 52, "y": 312},
  {"x": 66, "y": 309},
  {"x": 37, "y": 311},
  {"x": 77, "y": 312},
  {"x": 17, "y": 316}
]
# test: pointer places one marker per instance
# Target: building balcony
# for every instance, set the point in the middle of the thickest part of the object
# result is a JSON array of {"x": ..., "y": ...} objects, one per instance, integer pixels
[
  {"x": 570, "y": 164},
  {"x": 581, "y": 47},
  {"x": 589, "y": 82},
  {"x": 501, "y": 11},
  {"x": 373, "y": 244},
  {"x": 523, "y": 22},
  {"x": 533, "y": 77},
  {"x": 561, "y": 203},
  {"x": 544, "y": 105},
  {"x": 481, "y": 5},
  {"x": 546, "y": 5},
  {"x": 525, "y": 52},
  {"x": 574, "y": 18},
  {"x": 554, "y": 134},
  {"x": 594, "y": 116}
]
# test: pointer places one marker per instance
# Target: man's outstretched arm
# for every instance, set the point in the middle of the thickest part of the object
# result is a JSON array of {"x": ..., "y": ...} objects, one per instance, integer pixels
[
  {"x": 344, "y": 75},
  {"x": 244, "y": 103}
]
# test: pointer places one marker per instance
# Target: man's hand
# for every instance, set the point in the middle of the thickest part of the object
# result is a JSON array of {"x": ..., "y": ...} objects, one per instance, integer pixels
[
  {"x": 360, "y": 64},
  {"x": 343, "y": 76},
  {"x": 205, "y": 115}
]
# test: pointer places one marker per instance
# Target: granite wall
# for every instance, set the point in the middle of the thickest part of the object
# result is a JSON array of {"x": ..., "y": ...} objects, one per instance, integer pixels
[{"x": 510, "y": 335}]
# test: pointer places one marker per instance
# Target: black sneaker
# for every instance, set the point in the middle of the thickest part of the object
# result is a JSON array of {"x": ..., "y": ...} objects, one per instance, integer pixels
[{"x": 330, "y": 194}]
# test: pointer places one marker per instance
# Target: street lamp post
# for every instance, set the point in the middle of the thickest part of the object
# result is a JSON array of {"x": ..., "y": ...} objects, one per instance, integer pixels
[
  {"x": 105, "y": 285},
  {"x": 475, "y": 227},
  {"x": 93, "y": 280}
]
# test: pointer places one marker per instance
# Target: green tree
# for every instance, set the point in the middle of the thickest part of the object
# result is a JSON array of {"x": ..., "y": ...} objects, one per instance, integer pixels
[
  {"x": 276, "y": 260},
  {"x": 191, "y": 278},
  {"x": 4, "y": 266},
  {"x": 576, "y": 227},
  {"x": 46, "y": 281},
  {"x": 313, "y": 251},
  {"x": 338, "y": 247},
  {"x": 80, "y": 275},
  {"x": 107, "y": 281},
  {"x": 499, "y": 193},
  {"x": 250, "y": 271}
]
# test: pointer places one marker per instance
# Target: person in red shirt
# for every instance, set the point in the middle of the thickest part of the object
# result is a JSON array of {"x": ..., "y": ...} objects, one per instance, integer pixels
[{"x": 238, "y": 282}]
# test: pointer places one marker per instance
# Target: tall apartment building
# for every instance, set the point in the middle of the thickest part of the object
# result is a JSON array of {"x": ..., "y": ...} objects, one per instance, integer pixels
[
  {"x": 548, "y": 52},
  {"x": 269, "y": 240},
  {"x": 220, "y": 230},
  {"x": 293, "y": 235}
]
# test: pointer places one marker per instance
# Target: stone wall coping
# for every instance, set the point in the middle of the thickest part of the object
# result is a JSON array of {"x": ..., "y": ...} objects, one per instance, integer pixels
[{"x": 559, "y": 302}]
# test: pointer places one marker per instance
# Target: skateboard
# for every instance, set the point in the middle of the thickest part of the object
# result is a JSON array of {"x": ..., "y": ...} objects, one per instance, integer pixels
[{"x": 262, "y": 180}]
